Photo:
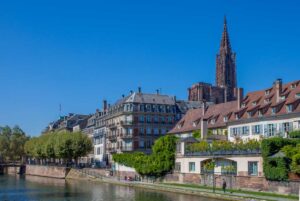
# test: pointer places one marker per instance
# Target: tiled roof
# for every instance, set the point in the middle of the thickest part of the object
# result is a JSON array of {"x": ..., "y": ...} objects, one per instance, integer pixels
[
  {"x": 254, "y": 102},
  {"x": 214, "y": 113}
]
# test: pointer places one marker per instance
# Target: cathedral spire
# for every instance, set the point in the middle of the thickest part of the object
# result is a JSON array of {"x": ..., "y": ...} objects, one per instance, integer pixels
[
  {"x": 225, "y": 43},
  {"x": 225, "y": 66}
]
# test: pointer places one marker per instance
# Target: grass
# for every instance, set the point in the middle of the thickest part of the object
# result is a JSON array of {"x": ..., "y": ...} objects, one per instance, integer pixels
[{"x": 259, "y": 193}]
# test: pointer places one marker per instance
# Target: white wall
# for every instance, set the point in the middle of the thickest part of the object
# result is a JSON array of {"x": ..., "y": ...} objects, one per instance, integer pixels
[{"x": 278, "y": 124}]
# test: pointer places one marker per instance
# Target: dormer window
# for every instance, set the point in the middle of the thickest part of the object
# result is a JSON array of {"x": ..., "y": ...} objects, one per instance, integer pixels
[
  {"x": 237, "y": 117},
  {"x": 267, "y": 92},
  {"x": 293, "y": 86},
  {"x": 273, "y": 110},
  {"x": 213, "y": 121},
  {"x": 243, "y": 105},
  {"x": 180, "y": 125},
  {"x": 260, "y": 113},
  {"x": 297, "y": 95},
  {"x": 249, "y": 114},
  {"x": 225, "y": 119},
  {"x": 267, "y": 100},
  {"x": 289, "y": 108},
  {"x": 194, "y": 124},
  {"x": 254, "y": 103},
  {"x": 282, "y": 97}
]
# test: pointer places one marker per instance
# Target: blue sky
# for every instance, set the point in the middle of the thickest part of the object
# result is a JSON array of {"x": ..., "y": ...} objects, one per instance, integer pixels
[{"x": 76, "y": 53}]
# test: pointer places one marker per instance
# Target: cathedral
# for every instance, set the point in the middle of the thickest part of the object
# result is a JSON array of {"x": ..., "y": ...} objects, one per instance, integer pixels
[{"x": 226, "y": 84}]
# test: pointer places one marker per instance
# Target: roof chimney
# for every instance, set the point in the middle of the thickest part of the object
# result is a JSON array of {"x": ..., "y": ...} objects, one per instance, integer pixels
[
  {"x": 278, "y": 89},
  {"x": 157, "y": 91},
  {"x": 123, "y": 96},
  {"x": 131, "y": 92},
  {"x": 139, "y": 90},
  {"x": 240, "y": 97},
  {"x": 104, "y": 105},
  {"x": 203, "y": 108}
]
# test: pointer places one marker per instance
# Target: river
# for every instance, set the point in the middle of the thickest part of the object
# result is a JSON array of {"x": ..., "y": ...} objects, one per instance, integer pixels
[{"x": 31, "y": 188}]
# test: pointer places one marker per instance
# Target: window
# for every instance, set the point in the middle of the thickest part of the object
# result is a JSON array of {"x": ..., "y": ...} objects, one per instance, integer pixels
[
  {"x": 148, "y": 119},
  {"x": 225, "y": 119},
  {"x": 256, "y": 129},
  {"x": 192, "y": 167},
  {"x": 163, "y": 131},
  {"x": 156, "y": 132},
  {"x": 148, "y": 131},
  {"x": 260, "y": 113},
  {"x": 252, "y": 168},
  {"x": 162, "y": 119},
  {"x": 98, "y": 150},
  {"x": 273, "y": 110},
  {"x": 177, "y": 167},
  {"x": 289, "y": 108},
  {"x": 287, "y": 126},
  {"x": 155, "y": 119},
  {"x": 170, "y": 119},
  {"x": 141, "y": 119},
  {"x": 245, "y": 130},
  {"x": 254, "y": 103},
  {"x": 297, "y": 95},
  {"x": 267, "y": 92},
  {"x": 270, "y": 129},
  {"x": 237, "y": 117},
  {"x": 141, "y": 144}
]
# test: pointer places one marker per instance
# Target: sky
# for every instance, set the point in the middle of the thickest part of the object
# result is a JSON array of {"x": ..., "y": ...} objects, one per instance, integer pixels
[{"x": 77, "y": 53}]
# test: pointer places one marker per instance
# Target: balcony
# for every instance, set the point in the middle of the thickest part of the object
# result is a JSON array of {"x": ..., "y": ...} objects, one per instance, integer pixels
[
  {"x": 112, "y": 137},
  {"x": 126, "y": 149},
  {"x": 111, "y": 125},
  {"x": 125, "y": 135},
  {"x": 126, "y": 123}
]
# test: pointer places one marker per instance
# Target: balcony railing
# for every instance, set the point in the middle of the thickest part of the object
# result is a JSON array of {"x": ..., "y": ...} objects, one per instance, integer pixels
[
  {"x": 126, "y": 123},
  {"x": 224, "y": 152},
  {"x": 125, "y": 135}
]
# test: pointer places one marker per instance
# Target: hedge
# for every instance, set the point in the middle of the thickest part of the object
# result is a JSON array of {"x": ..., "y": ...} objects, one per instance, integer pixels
[
  {"x": 294, "y": 134},
  {"x": 276, "y": 169}
]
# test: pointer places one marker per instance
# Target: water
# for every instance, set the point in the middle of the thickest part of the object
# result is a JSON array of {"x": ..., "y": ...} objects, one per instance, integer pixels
[{"x": 30, "y": 188}]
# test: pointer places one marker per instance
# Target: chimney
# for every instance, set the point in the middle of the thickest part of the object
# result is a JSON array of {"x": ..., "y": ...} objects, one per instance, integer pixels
[
  {"x": 203, "y": 122},
  {"x": 97, "y": 110},
  {"x": 104, "y": 105},
  {"x": 139, "y": 90},
  {"x": 278, "y": 89},
  {"x": 175, "y": 98},
  {"x": 123, "y": 96},
  {"x": 203, "y": 108},
  {"x": 157, "y": 91},
  {"x": 239, "y": 97},
  {"x": 131, "y": 92}
]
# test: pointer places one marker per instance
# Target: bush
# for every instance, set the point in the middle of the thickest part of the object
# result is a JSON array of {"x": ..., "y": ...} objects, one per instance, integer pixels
[
  {"x": 294, "y": 134},
  {"x": 276, "y": 169},
  {"x": 160, "y": 162},
  {"x": 295, "y": 166},
  {"x": 273, "y": 145}
]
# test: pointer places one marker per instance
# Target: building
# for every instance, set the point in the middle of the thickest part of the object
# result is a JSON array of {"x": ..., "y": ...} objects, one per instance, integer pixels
[
  {"x": 134, "y": 122},
  {"x": 274, "y": 111},
  {"x": 71, "y": 122},
  {"x": 100, "y": 132},
  {"x": 226, "y": 82},
  {"x": 209, "y": 120}
]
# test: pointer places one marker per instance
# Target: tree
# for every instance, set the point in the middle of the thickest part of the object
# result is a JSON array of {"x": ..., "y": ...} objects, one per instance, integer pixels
[
  {"x": 12, "y": 143},
  {"x": 160, "y": 162}
]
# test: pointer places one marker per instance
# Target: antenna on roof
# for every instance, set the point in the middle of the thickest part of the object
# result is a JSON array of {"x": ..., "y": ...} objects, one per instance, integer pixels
[{"x": 59, "y": 110}]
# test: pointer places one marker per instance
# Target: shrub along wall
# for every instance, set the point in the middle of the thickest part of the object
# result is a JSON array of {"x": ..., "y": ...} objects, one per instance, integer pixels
[{"x": 277, "y": 168}]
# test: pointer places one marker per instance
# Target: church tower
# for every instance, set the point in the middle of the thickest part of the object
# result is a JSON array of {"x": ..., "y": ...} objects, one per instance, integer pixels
[{"x": 226, "y": 67}]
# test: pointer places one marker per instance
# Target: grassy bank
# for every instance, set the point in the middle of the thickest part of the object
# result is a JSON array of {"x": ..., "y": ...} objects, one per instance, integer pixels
[{"x": 258, "y": 193}]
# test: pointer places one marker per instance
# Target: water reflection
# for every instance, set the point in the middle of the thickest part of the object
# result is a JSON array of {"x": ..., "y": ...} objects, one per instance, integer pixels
[{"x": 32, "y": 188}]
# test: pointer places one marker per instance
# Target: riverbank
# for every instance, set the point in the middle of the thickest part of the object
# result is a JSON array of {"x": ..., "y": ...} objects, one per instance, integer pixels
[{"x": 184, "y": 189}]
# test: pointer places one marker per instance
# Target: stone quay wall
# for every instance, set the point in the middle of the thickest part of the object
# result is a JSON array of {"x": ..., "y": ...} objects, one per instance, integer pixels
[
  {"x": 47, "y": 171},
  {"x": 236, "y": 182}
]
